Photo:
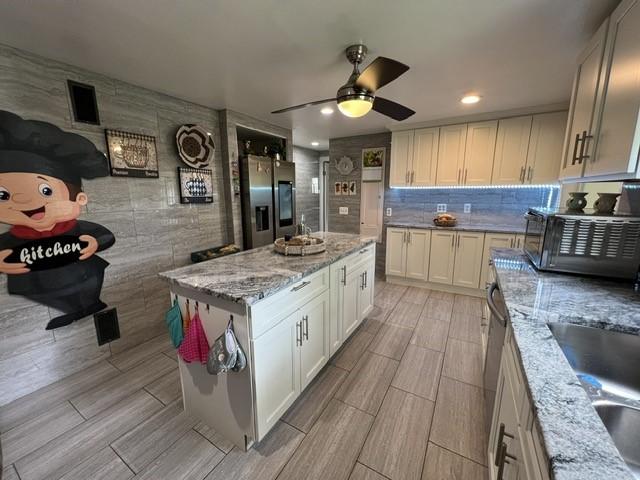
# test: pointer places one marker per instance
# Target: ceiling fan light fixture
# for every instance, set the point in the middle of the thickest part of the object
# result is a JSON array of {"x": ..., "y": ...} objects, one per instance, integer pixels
[{"x": 355, "y": 106}]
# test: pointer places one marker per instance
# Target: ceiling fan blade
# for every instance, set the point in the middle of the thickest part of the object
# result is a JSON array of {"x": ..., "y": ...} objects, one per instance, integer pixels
[
  {"x": 392, "y": 109},
  {"x": 380, "y": 72},
  {"x": 308, "y": 104}
]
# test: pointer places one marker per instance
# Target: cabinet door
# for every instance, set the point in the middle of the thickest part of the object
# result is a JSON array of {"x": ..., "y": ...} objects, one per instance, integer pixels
[
  {"x": 493, "y": 240},
  {"x": 584, "y": 98},
  {"x": 418, "y": 245},
  {"x": 545, "y": 147},
  {"x": 425, "y": 157},
  {"x": 396, "y": 252},
  {"x": 451, "y": 149},
  {"x": 276, "y": 372},
  {"x": 519, "y": 241},
  {"x": 468, "y": 262},
  {"x": 509, "y": 167},
  {"x": 618, "y": 143},
  {"x": 351, "y": 304},
  {"x": 479, "y": 153},
  {"x": 441, "y": 256},
  {"x": 401, "y": 158},
  {"x": 336, "y": 301},
  {"x": 314, "y": 351},
  {"x": 366, "y": 292}
]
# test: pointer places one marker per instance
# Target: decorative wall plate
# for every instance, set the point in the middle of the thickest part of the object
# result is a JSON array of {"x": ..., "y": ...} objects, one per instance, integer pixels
[
  {"x": 344, "y": 165},
  {"x": 195, "y": 146}
]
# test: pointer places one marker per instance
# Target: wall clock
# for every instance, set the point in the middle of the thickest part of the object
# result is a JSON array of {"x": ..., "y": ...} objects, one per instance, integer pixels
[{"x": 344, "y": 165}]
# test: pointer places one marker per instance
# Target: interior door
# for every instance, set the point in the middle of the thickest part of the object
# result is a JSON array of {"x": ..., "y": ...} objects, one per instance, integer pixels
[
  {"x": 401, "y": 158},
  {"x": 468, "y": 262},
  {"x": 314, "y": 351},
  {"x": 351, "y": 303},
  {"x": 441, "y": 257},
  {"x": 479, "y": 153},
  {"x": 396, "y": 256},
  {"x": 545, "y": 147},
  {"x": 451, "y": 148},
  {"x": 509, "y": 167},
  {"x": 425, "y": 157},
  {"x": 418, "y": 246},
  {"x": 372, "y": 194}
]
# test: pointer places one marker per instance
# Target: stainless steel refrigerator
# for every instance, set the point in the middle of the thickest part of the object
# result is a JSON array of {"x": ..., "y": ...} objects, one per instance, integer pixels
[{"x": 268, "y": 193}]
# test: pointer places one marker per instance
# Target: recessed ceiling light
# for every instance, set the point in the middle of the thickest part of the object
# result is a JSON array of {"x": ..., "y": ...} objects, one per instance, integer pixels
[
  {"x": 315, "y": 144},
  {"x": 470, "y": 99},
  {"x": 326, "y": 111}
]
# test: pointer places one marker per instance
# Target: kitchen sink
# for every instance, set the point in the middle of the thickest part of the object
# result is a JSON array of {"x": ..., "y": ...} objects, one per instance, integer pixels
[{"x": 606, "y": 363}]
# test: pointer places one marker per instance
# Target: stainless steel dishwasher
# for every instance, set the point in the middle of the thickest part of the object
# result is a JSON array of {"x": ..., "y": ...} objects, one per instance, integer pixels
[{"x": 495, "y": 342}]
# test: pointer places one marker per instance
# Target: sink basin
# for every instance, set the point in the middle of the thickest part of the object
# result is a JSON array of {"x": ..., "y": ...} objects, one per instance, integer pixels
[{"x": 623, "y": 424}]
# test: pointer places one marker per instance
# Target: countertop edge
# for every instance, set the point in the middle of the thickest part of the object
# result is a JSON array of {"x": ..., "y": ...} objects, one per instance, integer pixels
[{"x": 460, "y": 227}]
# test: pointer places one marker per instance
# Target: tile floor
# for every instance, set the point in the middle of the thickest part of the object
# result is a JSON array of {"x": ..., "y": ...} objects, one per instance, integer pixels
[{"x": 400, "y": 401}]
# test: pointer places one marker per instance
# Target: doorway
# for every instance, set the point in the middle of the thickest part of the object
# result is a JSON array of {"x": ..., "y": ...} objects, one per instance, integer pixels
[
  {"x": 324, "y": 179},
  {"x": 371, "y": 203}
]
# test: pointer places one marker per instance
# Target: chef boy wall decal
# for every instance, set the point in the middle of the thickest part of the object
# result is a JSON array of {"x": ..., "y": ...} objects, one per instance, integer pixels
[{"x": 49, "y": 255}]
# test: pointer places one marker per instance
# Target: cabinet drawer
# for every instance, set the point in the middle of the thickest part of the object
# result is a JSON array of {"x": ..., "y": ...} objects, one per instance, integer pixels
[
  {"x": 268, "y": 312},
  {"x": 364, "y": 255}
]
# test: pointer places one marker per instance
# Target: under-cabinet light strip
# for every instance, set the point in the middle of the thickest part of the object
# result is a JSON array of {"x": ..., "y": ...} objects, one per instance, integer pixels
[{"x": 475, "y": 187}]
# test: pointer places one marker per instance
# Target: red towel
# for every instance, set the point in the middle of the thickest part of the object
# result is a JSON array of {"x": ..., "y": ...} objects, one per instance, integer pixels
[{"x": 194, "y": 347}]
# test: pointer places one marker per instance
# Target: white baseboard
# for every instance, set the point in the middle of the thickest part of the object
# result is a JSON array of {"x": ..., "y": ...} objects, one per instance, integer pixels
[{"x": 441, "y": 287}]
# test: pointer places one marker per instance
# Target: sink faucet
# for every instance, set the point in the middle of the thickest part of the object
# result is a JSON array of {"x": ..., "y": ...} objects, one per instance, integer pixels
[{"x": 301, "y": 228}]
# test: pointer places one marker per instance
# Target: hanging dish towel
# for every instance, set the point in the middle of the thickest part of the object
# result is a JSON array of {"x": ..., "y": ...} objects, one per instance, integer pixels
[
  {"x": 187, "y": 320},
  {"x": 226, "y": 353},
  {"x": 173, "y": 319},
  {"x": 194, "y": 347}
]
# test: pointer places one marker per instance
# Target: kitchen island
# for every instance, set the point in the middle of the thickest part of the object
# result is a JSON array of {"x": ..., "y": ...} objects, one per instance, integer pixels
[{"x": 290, "y": 315}]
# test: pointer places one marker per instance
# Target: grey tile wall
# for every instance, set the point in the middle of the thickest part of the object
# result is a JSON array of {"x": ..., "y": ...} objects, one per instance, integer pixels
[
  {"x": 154, "y": 232},
  {"x": 307, "y": 167}
]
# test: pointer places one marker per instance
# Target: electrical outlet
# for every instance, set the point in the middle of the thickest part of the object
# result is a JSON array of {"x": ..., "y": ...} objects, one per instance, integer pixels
[
  {"x": 441, "y": 208},
  {"x": 388, "y": 212},
  {"x": 467, "y": 208},
  {"x": 343, "y": 210}
]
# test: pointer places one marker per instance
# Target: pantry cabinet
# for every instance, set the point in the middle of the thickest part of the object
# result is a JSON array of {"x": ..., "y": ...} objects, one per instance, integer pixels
[
  {"x": 451, "y": 150},
  {"x": 414, "y": 155},
  {"x": 511, "y": 151},
  {"x": 468, "y": 254},
  {"x": 479, "y": 153},
  {"x": 407, "y": 253},
  {"x": 545, "y": 148}
]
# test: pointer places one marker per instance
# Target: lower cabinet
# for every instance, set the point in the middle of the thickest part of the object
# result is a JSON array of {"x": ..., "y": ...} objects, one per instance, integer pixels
[
  {"x": 455, "y": 258},
  {"x": 497, "y": 240},
  {"x": 442, "y": 257},
  {"x": 351, "y": 305},
  {"x": 407, "y": 253}
]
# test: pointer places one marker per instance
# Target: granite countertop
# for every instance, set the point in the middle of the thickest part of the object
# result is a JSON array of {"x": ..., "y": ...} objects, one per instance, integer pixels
[
  {"x": 249, "y": 276},
  {"x": 577, "y": 442},
  {"x": 469, "y": 227}
]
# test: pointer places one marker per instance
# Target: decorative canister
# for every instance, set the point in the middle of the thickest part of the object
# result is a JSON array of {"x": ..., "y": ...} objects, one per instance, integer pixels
[
  {"x": 577, "y": 201},
  {"x": 606, "y": 202}
]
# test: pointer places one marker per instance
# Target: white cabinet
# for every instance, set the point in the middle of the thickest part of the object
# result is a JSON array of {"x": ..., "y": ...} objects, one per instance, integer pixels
[
  {"x": 618, "y": 140},
  {"x": 519, "y": 242},
  {"x": 351, "y": 306},
  {"x": 496, "y": 240},
  {"x": 401, "y": 158},
  {"x": 314, "y": 338},
  {"x": 583, "y": 116},
  {"x": 366, "y": 290},
  {"x": 451, "y": 150},
  {"x": 468, "y": 257},
  {"x": 396, "y": 253},
  {"x": 545, "y": 148},
  {"x": 414, "y": 155},
  {"x": 442, "y": 256},
  {"x": 408, "y": 253},
  {"x": 479, "y": 153},
  {"x": 512, "y": 144}
]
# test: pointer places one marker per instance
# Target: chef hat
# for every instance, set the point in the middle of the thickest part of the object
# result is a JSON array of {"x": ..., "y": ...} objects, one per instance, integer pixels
[{"x": 39, "y": 147}]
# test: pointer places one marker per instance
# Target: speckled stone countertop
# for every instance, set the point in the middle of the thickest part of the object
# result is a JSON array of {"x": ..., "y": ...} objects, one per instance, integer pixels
[
  {"x": 252, "y": 275},
  {"x": 577, "y": 442},
  {"x": 469, "y": 227}
]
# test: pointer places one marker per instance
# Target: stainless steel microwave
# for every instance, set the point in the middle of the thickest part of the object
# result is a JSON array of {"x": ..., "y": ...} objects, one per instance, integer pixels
[{"x": 584, "y": 243}]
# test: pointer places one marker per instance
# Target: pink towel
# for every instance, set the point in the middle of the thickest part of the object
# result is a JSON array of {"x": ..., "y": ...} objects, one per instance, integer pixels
[{"x": 194, "y": 347}]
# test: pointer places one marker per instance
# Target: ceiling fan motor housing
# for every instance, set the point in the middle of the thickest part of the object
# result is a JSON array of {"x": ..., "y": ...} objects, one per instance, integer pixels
[{"x": 349, "y": 91}]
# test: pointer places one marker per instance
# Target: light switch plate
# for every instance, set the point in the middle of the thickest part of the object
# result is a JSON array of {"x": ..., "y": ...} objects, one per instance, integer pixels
[
  {"x": 388, "y": 212},
  {"x": 441, "y": 208},
  {"x": 343, "y": 210},
  {"x": 467, "y": 208}
]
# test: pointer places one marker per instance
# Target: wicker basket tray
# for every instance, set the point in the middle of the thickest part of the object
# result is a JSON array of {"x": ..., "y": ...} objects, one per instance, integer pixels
[
  {"x": 444, "y": 223},
  {"x": 300, "y": 246}
]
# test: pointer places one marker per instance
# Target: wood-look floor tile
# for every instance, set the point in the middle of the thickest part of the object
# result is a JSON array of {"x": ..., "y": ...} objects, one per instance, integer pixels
[
  {"x": 372, "y": 325},
  {"x": 442, "y": 464},
  {"x": 360, "y": 472},
  {"x": 167, "y": 388},
  {"x": 430, "y": 334},
  {"x": 445, "y": 296},
  {"x": 463, "y": 362},
  {"x": 352, "y": 351},
  {"x": 419, "y": 372},
  {"x": 458, "y": 420},
  {"x": 192, "y": 457},
  {"x": 70, "y": 449},
  {"x": 105, "y": 465},
  {"x": 467, "y": 305},
  {"x": 389, "y": 296},
  {"x": 379, "y": 286},
  {"x": 398, "y": 439},
  {"x": 405, "y": 314},
  {"x": 437, "y": 309},
  {"x": 264, "y": 460},
  {"x": 97, "y": 399},
  {"x": 40, "y": 401},
  {"x": 214, "y": 437},
  {"x": 31, "y": 435},
  {"x": 9, "y": 473},
  {"x": 391, "y": 341},
  {"x": 141, "y": 445},
  {"x": 308, "y": 407},
  {"x": 465, "y": 327},
  {"x": 416, "y": 295},
  {"x": 330, "y": 449},
  {"x": 138, "y": 354},
  {"x": 366, "y": 385}
]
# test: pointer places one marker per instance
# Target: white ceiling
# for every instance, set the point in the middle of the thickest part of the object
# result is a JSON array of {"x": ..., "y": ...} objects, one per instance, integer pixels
[{"x": 255, "y": 56}]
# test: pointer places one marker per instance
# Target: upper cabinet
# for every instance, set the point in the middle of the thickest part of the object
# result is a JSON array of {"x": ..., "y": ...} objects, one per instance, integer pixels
[
  {"x": 511, "y": 151},
  {"x": 453, "y": 139},
  {"x": 414, "y": 156},
  {"x": 401, "y": 158},
  {"x": 479, "y": 153},
  {"x": 545, "y": 147}
]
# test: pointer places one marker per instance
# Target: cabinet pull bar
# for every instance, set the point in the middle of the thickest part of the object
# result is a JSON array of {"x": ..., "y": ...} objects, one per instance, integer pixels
[
  {"x": 583, "y": 146},
  {"x": 364, "y": 250},
  {"x": 301, "y": 286},
  {"x": 465, "y": 176},
  {"x": 344, "y": 275},
  {"x": 406, "y": 177},
  {"x": 574, "y": 157},
  {"x": 502, "y": 433},
  {"x": 453, "y": 241},
  {"x": 459, "y": 171},
  {"x": 298, "y": 334},
  {"x": 413, "y": 173},
  {"x": 521, "y": 177},
  {"x": 306, "y": 327},
  {"x": 366, "y": 279},
  {"x": 530, "y": 174}
]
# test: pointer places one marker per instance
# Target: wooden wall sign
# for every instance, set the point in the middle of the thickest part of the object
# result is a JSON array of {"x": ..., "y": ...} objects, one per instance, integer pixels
[
  {"x": 132, "y": 154},
  {"x": 196, "y": 185}
]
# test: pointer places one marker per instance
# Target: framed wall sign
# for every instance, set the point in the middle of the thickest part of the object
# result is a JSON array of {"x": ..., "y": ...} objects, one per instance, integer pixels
[
  {"x": 132, "y": 154},
  {"x": 372, "y": 164},
  {"x": 196, "y": 185}
]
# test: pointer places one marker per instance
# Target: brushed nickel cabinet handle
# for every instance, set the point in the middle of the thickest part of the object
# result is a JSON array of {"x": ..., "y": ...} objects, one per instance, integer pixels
[
  {"x": 298, "y": 334},
  {"x": 453, "y": 241},
  {"x": 459, "y": 171},
  {"x": 344, "y": 275},
  {"x": 406, "y": 177},
  {"x": 521, "y": 176},
  {"x": 409, "y": 236},
  {"x": 299, "y": 287},
  {"x": 574, "y": 157},
  {"x": 530, "y": 174},
  {"x": 305, "y": 319},
  {"x": 412, "y": 175},
  {"x": 465, "y": 176},
  {"x": 502, "y": 433},
  {"x": 583, "y": 146}
]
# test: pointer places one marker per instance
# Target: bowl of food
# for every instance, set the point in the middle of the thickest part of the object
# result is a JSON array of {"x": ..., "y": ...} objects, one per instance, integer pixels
[{"x": 445, "y": 220}]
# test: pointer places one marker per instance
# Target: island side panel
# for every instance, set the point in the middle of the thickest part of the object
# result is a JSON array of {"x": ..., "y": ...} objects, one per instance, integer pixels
[{"x": 223, "y": 402}]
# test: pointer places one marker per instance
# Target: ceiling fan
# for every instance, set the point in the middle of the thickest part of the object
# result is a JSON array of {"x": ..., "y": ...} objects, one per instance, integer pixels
[{"x": 358, "y": 96}]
